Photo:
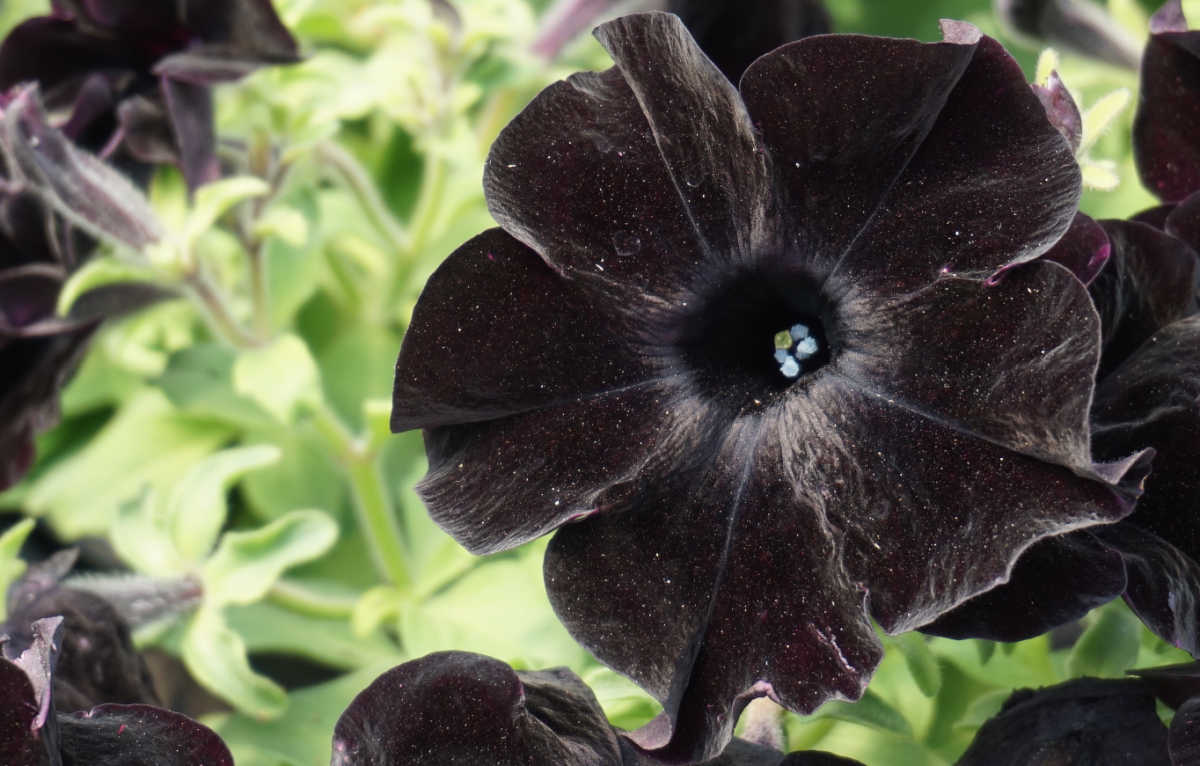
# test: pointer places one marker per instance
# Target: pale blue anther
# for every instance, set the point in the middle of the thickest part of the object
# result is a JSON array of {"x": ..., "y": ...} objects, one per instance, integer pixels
[
  {"x": 806, "y": 347},
  {"x": 782, "y": 355},
  {"x": 798, "y": 331},
  {"x": 790, "y": 368}
]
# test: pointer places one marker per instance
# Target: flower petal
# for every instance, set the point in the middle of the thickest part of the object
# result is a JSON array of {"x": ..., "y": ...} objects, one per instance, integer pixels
[
  {"x": 1183, "y": 221},
  {"x": 636, "y": 181},
  {"x": 992, "y": 184},
  {"x": 498, "y": 332},
  {"x": 834, "y": 160},
  {"x": 1011, "y": 362},
  {"x": 734, "y": 586},
  {"x": 1148, "y": 283},
  {"x": 1165, "y": 146},
  {"x": 139, "y": 735},
  {"x": 1088, "y": 720},
  {"x": 191, "y": 111},
  {"x": 501, "y": 483},
  {"x": 1083, "y": 249},
  {"x": 461, "y": 708},
  {"x": 1057, "y": 580}
]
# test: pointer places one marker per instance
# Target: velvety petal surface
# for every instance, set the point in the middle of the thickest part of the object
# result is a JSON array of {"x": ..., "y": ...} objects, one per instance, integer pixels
[
  {"x": 139, "y": 735},
  {"x": 750, "y": 578},
  {"x": 1183, "y": 738},
  {"x": 992, "y": 183},
  {"x": 456, "y": 708},
  {"x": 1057, "y": 580},
  {"x": 1165, "y": 144},
  {"x": 642, "y": 183},
  {"x": 1147, "y": 284},
  {"x": 191, "y": 114},
  {"x": 1083, "y": 722},
  {"x": 1183, "y": 220},
  {"x": 1084, "y": 249},
  {"x": 489, "y": 317},
  {"x": 19, "y": 743}
]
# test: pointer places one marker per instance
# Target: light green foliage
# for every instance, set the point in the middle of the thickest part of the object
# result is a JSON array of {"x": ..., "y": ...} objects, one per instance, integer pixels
[{"x": 11, "y": 565}]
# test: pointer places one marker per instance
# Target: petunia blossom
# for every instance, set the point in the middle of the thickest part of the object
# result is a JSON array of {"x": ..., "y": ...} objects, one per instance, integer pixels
[{"x": 744, "y": 351}]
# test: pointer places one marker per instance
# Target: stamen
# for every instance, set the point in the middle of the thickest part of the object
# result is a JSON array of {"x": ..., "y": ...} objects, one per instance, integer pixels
[{"x": 793, "y": 347}]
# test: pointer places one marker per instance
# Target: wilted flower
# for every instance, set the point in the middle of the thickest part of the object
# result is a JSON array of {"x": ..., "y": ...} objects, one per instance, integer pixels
[
  {"x": 138, "y": 74},
  {"x": 752, "y": 347}
]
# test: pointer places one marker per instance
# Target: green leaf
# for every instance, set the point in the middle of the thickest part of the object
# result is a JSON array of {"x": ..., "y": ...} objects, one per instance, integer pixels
[
  {"x": 278, "y": 377},
  {"x": 216, "y": 658},
  {"x": 1108, "y": 647},
  {"x": 215, "y": 199},
  {"x": 140, "y": 538},
  {"x": 100, "y": 272},
  {"x": 268, "y": 627},
  {"x": 376, "y": 606},
  {"x": 147, "y": 443},
  {"x": 246, "y": 564},
  {"x": 196, "y": 508},
  {"x": 922, "y": 664},
  {"x": 199, "y": 381},
  {"x": 285, "y": 223},
  {"x": 982, "y": 708},
  {"x": 11, "y": 564},
  {"x": 871, "y": 710},
  {"x": 304, "y": 477}
]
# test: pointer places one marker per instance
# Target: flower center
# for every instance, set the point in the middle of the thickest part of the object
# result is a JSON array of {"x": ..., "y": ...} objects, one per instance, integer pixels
[{"x": 756, "y": 335}]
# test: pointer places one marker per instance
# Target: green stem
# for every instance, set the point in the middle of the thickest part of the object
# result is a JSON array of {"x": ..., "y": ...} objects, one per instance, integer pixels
[
  {"x": 216, "y": 308},
  {"x": 359, "y": 182},
  {"x": 260, "y": 290},
  {"x": 299, "y": 598},
  {"x": 372, "y": 503}
]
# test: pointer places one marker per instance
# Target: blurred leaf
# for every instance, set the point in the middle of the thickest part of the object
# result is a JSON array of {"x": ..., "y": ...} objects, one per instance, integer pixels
[
  {"x": 216, "y": 658},
  {"x": 199, "y": 381},
  {"x": 268, "y": 627},
  {"x": 213, "y": 200},
  {"x": 295, "y": 269},
  {"x": 305, "y": 476},
  {"x": 871, "y": 710},
  {"x": 1108, "y": 647},
  {"x": 373, "y": 608},
  {"x": 984, "y": 707},
  {"x": 196, "y": 508},
  {"x": 920, "y": 660},
  {"x": 147, "y": 443},
  {"x": 140, "y": 537},
  {"x": 101, "y": 271},
  {"x": 246, "y": 564},
  {"x": 278, "y": 377},
  {"x": 284, "y": 223},
  {"x": 986, "y": 650},
  {"x": 11, "y": 564}
]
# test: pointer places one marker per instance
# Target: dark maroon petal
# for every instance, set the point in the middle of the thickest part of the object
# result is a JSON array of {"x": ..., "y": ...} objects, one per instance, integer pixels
[
  {"x": 499, "y": 484},
  {"x": 1163, "y": 585},
  {"x": 1083, "y": 249},
  {"x": 721, "y": 587},
  {"x": 498, "y": 332},
  {"x": 833, "y": 160},
  {"x": 1083, "y": 722},
  {"x": 1173, "y": 684},
  {"x": 638, "y": 181},
  {"x": 191, "y": 111},
  {"x": 50, "y": 50},
  {"x": 1011, "y": 362},
  {"x": 460, "y": 709},
  {"x": 1165, "y": 141},
  {"x": 147, "y": 130},
  {"x": 1155, "y": 216},
  {"x": 19, "y": 740},
  {"x": 1183, "y": 221},
  {"x": 733, "y": 35},
  {"x": 992, "y": 184},
  {"x": 1183, "y": 738},
  {"x": 248, "y": 29},
  {"x": 1061, "y": 109},
  {"x": 139, "y": 735},
  {"x": 1057, "y": 580},
  {"x": 1148, "y": 283}
]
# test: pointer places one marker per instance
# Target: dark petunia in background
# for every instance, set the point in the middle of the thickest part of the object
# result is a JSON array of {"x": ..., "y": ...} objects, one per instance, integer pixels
[
  {"x": 137, "y": 76},
  {"x": 751, "y": 359}
]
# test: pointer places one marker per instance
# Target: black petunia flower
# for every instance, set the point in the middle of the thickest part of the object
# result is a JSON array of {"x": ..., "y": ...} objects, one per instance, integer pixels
[
  {"x": 138, "y": 75},
  {"x": 747, "y": 352}
]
